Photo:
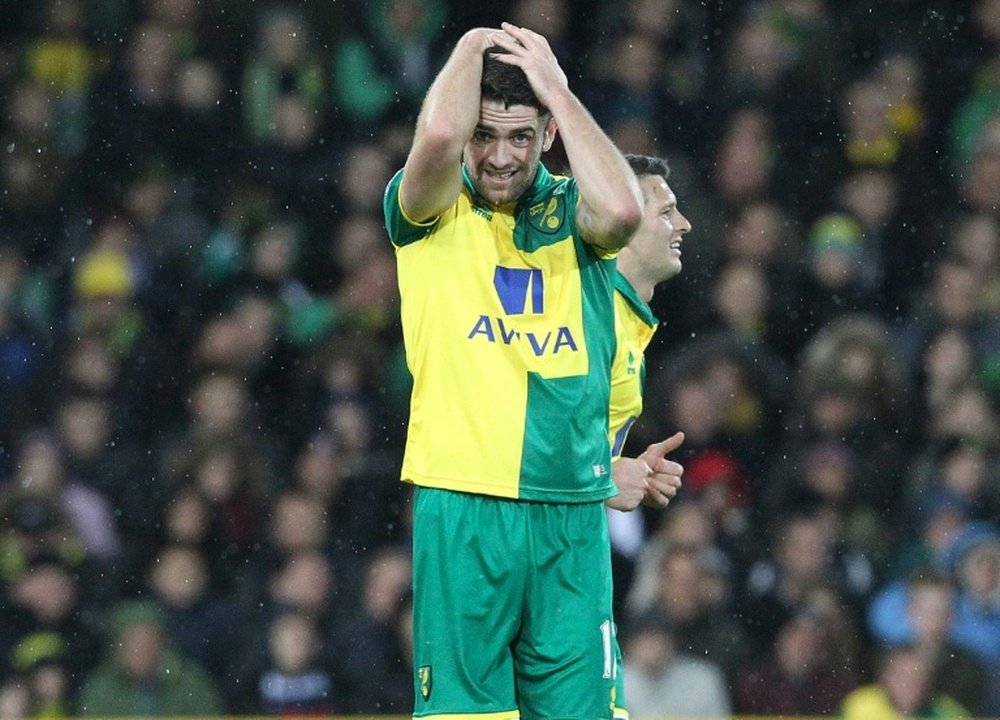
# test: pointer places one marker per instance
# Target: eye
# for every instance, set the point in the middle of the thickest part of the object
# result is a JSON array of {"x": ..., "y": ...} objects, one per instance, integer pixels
[
  {"x": 481, "y": 136},
  {"x": 521, "y": 139}
]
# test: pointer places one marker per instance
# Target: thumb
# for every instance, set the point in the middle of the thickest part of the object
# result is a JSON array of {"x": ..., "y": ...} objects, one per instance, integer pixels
[{"x": 660, "y": 449}]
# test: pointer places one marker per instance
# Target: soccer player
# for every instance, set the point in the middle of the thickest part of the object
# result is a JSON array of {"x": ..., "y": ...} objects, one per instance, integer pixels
[
  {"x": 506, "y": 279},
  {"x": 652, "y": 256}
]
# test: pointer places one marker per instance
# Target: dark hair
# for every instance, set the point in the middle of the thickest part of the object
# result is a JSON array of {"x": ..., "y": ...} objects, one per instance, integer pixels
[
  {"x": 648, "y": 165},
  {"x": 506, "y": 83}
]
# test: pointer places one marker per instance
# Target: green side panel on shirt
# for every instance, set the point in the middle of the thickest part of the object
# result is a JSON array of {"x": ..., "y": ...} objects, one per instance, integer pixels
[{"x": 584, "y": 451}]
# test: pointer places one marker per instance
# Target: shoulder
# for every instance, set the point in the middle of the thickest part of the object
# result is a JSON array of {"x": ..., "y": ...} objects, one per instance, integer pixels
[{"x": 402, "y": 229}]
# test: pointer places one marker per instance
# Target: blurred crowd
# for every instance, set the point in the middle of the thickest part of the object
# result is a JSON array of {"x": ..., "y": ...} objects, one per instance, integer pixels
[{"x": 203, "y": 395}]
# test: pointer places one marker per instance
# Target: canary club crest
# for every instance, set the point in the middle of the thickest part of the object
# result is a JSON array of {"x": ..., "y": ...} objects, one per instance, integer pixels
[
  {"x": 424, "y": 676},
  {"x": 547, "y": 216}
]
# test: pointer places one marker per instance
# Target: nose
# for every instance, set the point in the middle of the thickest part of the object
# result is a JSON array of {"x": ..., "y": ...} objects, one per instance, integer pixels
[
  {"x": 682, "y": 225},
  {"x": 500, "y": 154}
]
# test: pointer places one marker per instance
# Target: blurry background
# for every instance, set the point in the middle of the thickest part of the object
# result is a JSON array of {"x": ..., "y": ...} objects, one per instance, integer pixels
[{"x": 203, "y": 396}]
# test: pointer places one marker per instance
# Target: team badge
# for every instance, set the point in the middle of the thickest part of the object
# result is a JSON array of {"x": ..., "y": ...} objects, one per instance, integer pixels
[
  {"x": 424, "y": 676},
  {"x": 547, "y": 216}
]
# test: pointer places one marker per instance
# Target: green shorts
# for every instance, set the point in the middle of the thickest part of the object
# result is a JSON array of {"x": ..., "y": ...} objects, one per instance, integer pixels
[{"x": 511, "y": 608}]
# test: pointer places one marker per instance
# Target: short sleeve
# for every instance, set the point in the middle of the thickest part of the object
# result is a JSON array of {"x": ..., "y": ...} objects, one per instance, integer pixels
[{"x": 402, "y": 229}]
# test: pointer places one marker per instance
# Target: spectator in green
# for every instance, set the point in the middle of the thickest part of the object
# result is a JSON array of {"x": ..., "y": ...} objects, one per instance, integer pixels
[
  {"x": 390, "y": 58},
  {"x": 284, "y": 72},
  {"x": 143, "y": 676}
]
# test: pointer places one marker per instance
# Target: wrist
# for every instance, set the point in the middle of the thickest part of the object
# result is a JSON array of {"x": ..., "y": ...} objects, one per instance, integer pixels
[
  {"x": 476, "y": 41},
  {"x": 559, "y": 101}
]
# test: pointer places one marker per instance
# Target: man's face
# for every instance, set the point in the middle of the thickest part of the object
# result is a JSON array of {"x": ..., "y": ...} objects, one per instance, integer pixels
[
  {"x": 657, "y": 242},
  {"x": 503, "y": 155}
]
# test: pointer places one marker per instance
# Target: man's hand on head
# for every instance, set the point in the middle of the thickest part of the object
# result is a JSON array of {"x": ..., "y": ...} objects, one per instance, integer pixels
[
  {"x": 483, "y": 38},
  {"x": 531, "y": 52}
]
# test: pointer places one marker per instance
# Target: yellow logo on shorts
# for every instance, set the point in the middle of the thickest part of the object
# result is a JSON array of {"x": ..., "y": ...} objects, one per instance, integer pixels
[{"x": 424, "y": 675}]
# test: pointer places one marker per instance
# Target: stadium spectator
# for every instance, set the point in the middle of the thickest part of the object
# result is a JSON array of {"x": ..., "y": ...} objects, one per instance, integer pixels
[
  {"x": 921, "y": 611},
  {"x": 196, "y": 618},
  {"x": 905, "y": 687},
  {"x": 376, "y": 671},
  {"x": 801, "y": 674},
  {"x": 142, "y": 675},
  {"x": 663, "y": 679},
  {"x": 295, "y": 681},
  {"x": 702, "y": 620}
]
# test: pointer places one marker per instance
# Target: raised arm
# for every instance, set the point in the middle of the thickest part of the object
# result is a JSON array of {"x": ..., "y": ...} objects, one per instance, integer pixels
[
  {"x": 432, "y": 176},
  {"x": 611, "y": 202}
]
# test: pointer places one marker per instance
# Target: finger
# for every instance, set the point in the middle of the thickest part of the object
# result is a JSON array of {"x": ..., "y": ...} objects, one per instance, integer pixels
[
  {"x": 530, "y": 39},
  {"x": 509, "y": 43},
  {"x": 662, "y": 466},
  {"x": 665, "y": 446},
  {"x": 509, "y": 58},
  {"x": 518, "y": 36},
  {"x": 667, "y": 487},
  {"x": 494, "y": 35},
  {"x": 522, "y": 34},
  {"x": 655, "y": 499}
]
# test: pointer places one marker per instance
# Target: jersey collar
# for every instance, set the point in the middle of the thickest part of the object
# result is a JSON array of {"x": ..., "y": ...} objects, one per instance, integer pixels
[{"x": 639, "y": 307}]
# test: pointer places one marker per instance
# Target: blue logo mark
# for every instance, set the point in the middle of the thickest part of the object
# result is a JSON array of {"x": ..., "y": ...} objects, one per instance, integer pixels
[{"x": 516, "y": 285}]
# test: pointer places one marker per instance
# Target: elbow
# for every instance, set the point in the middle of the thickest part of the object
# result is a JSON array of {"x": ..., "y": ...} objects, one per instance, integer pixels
[
  {"x": 623, "y": 221},
  {"x": 610, "y": 224},
  {"x": 440, "y": 140},
  {"x": 628, "y": 216},
  {"x": 632, "y": 206},
  {"x": 441, "y": 133}
]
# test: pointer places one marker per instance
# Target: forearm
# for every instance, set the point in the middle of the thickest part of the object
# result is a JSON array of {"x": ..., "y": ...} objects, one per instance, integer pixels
[
  {"x": 450, "y": 110},
  {"x": 609, "y": 189},
  {"x": 448, "y": 117}
]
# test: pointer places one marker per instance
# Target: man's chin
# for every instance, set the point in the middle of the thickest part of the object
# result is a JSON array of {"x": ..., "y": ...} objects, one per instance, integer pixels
[
  {"x": 501, "y": 194},
  {"x": 498, "y": 197},
  {"x": 672, "y": 270}
]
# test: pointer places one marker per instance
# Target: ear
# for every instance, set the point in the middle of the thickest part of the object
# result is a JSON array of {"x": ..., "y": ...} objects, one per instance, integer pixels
[{"x": 550, "y": 134}]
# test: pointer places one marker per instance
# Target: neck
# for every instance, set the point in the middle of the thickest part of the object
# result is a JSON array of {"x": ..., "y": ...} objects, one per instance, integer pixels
[
  {"x": 630, "y": 271},
  {"x": 643, "y": 289}
]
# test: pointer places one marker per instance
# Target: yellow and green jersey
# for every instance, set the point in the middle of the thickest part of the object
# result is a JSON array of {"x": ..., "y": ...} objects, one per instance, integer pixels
[
  {"x": 508, "y": 325},
  {"x": 634, "y": 328}
]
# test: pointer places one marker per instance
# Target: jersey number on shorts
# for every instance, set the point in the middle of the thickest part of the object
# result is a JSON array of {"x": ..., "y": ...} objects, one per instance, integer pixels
[{"x": 607, "y": 637}]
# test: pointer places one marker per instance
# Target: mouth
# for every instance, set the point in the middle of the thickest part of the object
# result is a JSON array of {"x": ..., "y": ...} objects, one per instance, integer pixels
[
  {"x": 676, "y": 246},
  {"x": 500, "y": 177}
]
